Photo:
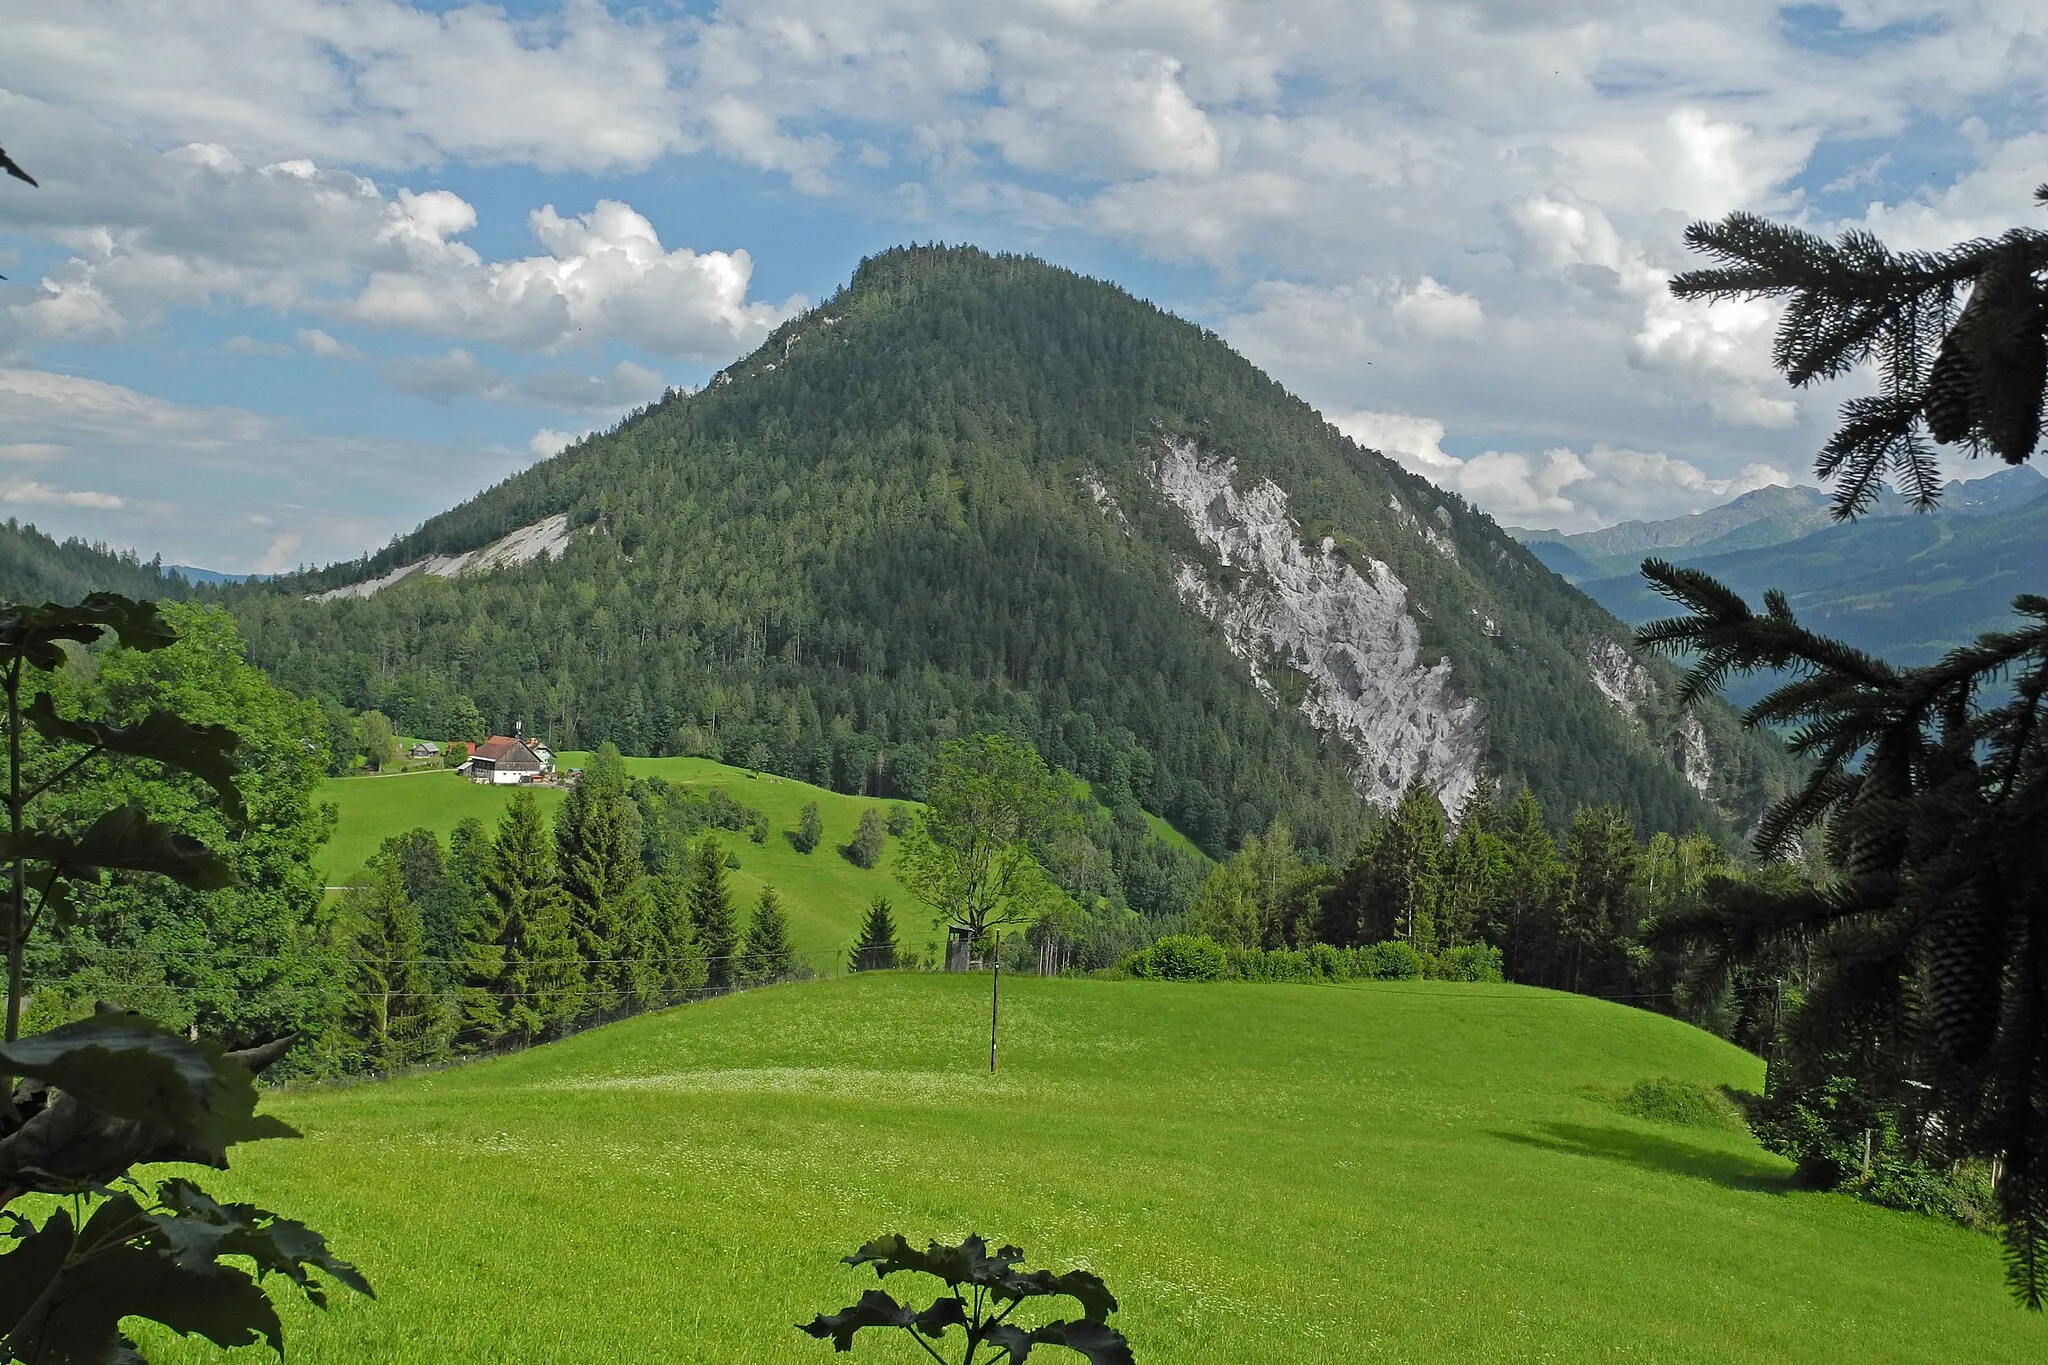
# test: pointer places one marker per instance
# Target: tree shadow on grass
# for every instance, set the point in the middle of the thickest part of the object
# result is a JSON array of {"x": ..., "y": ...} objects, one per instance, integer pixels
[{"x": 1735, "y": 1170}]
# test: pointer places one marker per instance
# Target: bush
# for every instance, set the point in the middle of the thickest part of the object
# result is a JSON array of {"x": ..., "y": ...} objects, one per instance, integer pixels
[
  {"x": 1262, "y": 964},
  {"x": 1670, "y": 1100},
  {"x": 1326, "y": 963},
  {"x": 1181, "y": 957},
  {"x": 1963, "y": 1195},
  {"x": 1394, "y": 960},
  {"x": 1472, "y": 962}
]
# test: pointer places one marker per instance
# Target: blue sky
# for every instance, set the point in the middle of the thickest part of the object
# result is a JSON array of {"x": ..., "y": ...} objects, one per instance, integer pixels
[{"x": 303, "y": 272}]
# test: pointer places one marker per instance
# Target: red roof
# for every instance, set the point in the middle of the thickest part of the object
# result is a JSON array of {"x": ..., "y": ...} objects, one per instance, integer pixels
[{"x": 506, "y": 752}]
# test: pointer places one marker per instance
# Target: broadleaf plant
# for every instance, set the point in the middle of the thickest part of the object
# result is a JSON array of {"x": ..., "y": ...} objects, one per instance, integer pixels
[
  {"x": 102, "y": 1096},
  {"x": 983, "y": 1291}
]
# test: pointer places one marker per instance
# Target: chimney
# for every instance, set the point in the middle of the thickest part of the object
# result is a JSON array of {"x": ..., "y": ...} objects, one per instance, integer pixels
[{"x": 518, "y": 728}]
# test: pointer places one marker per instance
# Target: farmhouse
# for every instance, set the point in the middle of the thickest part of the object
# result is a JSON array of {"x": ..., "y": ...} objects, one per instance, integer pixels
[
  {"x": 505, "y": 759},
  {"x": 423, "y": 749}
]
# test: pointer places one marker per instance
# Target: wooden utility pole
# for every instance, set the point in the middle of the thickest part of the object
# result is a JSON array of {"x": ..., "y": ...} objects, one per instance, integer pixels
[{"x": 995, "y": 1000}]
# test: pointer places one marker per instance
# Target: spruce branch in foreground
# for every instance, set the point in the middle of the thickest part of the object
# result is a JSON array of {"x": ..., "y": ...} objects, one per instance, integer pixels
[
  {"x": 1930, "y": 789},
  {"x": 1962, "y": 370}
]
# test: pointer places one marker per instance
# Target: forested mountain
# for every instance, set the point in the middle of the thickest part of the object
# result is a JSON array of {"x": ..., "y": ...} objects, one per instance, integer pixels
[
  {"x": 36, "y": 568},
  {"x": 971, "y": 491}
]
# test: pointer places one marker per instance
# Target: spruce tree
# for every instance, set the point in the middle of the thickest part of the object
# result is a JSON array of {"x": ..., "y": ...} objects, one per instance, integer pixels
[
  {"x": 711, "y": 913},
  {"x": 597, "y": 845},
  {"x": 876, "y": 950},
  {"x": 1599, "y": 904},
  {"x": 1393, "y": 886},
  {"x": 767, "y": 956},
  {"x": 1475, "y": 875},
  {"x": 1969, "y": 374},
  {"x": 683, "y": 969},
  {"x": 530, "y": 973},
  {"x": 395, "y": 1014},
  {"x": 1526, "y": 920},
  {"x": 440, "y": 901},
  {"x": 1929, "y": 784}
]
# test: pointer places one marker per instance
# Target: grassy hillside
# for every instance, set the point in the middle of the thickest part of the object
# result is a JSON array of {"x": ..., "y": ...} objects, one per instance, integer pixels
[
  {"x": 1399, "y": 1171},
  {"x": 824, "y": 893}
]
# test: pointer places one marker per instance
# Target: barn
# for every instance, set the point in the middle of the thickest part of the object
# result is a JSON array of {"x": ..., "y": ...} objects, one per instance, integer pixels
[{"x": 503, "y": 760}]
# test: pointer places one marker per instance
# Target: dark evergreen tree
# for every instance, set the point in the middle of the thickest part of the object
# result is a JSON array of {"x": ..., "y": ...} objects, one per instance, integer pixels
[
  {"x": 1475, "y": 875},
  {"x": 876, "y": 950},
  {"x": 711, "y": 914},
  {"x": 1929, "y": 784},
  {"x": 767, "y": 956},
  {"x": 533, "y": 972},
  {"x": 683, "y": 969},
  {"x": 395, "y": 1015},
  {"x": 1393, "y": 886},
  {"x": 597, "y": 846},
  {"x": 1526, "y": 928},
  {"x": 1598, "y": 908},
  {"x": 1969, "y": 373},
  {"x": 442, "y": 902}
]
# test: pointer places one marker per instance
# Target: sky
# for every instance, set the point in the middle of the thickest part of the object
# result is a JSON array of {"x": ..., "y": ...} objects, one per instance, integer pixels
[{"x": 301, "y": 273}]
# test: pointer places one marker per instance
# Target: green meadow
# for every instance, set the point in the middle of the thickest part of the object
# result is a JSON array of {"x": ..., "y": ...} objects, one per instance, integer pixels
[
  {"x": 824, "y": 893},
  {"x": 1411, "y": 1171}
]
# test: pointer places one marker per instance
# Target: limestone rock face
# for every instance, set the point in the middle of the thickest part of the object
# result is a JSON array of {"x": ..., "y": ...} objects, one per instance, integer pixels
[
  {"x": 548, "y": 536},
  {"x": 1308, "y": 624},
  {"x": 1626, "y": 684}
]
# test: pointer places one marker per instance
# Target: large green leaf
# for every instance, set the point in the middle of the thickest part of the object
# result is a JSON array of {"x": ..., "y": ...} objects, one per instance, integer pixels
[
  {"x": 124, "y": 839},
  {"x": 198, "y": 1228},
  {"x": 36, "y": 634},
  {"x": 875, "y": 1309},
  {"x": 126, "y": 1066},
  {"x": 1102, "y": 1344},
  {"x": 971, "y": 1263},
  {"x": 130, "y": 1273},
  {"x": 205, "y": 751}
]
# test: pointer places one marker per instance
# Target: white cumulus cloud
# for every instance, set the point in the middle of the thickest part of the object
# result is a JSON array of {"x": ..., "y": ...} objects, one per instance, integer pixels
[{"x": 1556, "y": 489}]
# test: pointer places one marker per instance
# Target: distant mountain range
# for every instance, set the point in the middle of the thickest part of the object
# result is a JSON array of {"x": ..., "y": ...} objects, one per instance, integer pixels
[
  {"x": 1903, "y": 585},
  {"x": 214, "y": 576}
]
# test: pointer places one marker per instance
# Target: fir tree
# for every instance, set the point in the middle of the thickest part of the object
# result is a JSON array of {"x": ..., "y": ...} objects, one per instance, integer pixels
[
  {"x": 1930, "y": 784},
  {"x": 767, "y": 956},
  {"x": 711, "y": 913},
  {"x": 396, "y": 1016},
  {"x": 1393, "y": 886},
  {"x": 683, "y": 969},
  {"x": 1599, "y": 906},
  {"x": 876, "y": 950},
  {"x": 1475, "y": 875},
  {"x": 1525, "y": 928},
  {"x": 441, "y": 901},
  {"x": 528, "y": 973},
  {"x": 1964, "y": 373},
  {"x": 597, "y": 843}
]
